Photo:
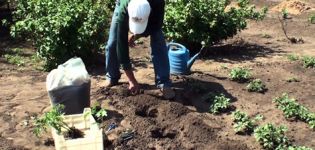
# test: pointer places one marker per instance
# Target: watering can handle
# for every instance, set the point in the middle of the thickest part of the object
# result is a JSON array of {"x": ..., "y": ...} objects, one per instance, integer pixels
[{"x": 176, "y": 45}]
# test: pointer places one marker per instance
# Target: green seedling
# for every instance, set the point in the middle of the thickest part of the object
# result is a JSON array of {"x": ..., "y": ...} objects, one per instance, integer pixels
[
  {"x": 240, "y": 74},
  {"x": 293, "y": 79},
  {"x": 256, "y": 86},
  {"x": 292, "y": 109},
  {"x": 312, "y": 18},
  {"x": 308, "y": 61},
  {"x": 54, "y": 119},
  {"x": 243, "y": 123},
  {"x": 97, "y": 112},
  {"x": 285, "y": 14},
  {"x": 271, "y": 137},
  {"x": 293, "y": 57},
  {"x": 219, "y": 104}
]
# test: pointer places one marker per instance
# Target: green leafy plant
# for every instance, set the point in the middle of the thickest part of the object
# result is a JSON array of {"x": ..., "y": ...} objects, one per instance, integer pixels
[
  {"x": 190, "y": 22},
  {"x": 312, "y": 18},
  {"x": 293, "y": 57},
  {"x": 243, "y": 123},
  {"x": 220, "y": 103},
  {"x": 15, "y": 59},
  {"x": 98, "y": 112},
  {"x": 272, "y": 137},
  {"x": 292, "y": 109},
  {"x": 54, "y": 119},
  {"x": 62, "y": 29},
  {"x": 240, "y": 74},
  {"x": 308, "y": 61},
  {"x": 256, "y": 86}
]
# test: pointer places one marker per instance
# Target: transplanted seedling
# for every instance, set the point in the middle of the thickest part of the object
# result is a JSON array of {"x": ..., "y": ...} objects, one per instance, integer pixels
[
  {"x": 240, "y": 74},
  {"x": 98, "y": 112},
  {"x": 256, "y": 86},
  {"x": 308, "y": 61},
  {"x": 243, "y": 123},
  {"x": 54, "y": 119},
  {"x": 272, "y": 137},
  {"x": 220, "y": 103},
  {"x": 293, "y": 57}
]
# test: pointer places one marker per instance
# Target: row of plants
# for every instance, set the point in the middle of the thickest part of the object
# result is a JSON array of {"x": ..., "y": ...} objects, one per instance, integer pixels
[
  {"x": 269, "y": 136},
  {"x": 242, "y": 75},
  {"x": 293, "y": 110},
  {"x": 308, "y": 61}
]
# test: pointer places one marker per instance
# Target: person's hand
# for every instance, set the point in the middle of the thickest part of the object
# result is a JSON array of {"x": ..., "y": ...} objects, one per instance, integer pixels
[{"x": 134, "y": 87}]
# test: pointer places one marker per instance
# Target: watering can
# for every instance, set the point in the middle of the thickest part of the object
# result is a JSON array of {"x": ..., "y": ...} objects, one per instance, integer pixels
[{"x": 180, "y": 61}]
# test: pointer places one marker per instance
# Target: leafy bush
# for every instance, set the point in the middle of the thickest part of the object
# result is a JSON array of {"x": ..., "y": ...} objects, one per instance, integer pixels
[
  {"x": 243, "y": 123},
  {"x": 256, "y": 86},
  {"x": 240, "y": 74},
  {"x": 271, "y": 137},
  {"x": 61, "y": 29},
  {"x": 292, "y": 109},
  {"x": 220, "y": 103},
  {"x": 193, "y": 21},
  {"x": 308, "y": 61}
]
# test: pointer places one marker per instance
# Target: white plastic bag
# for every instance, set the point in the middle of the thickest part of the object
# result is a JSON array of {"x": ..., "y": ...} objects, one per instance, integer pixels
[{"x": 71, "y": 73}]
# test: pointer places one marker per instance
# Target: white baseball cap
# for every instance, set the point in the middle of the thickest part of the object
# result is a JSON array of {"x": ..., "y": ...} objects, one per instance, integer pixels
[{"x": 139, "y": 11}]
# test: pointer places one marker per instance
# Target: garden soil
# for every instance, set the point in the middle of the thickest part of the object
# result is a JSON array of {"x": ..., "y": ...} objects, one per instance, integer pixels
[{"x": 183, "y": 122}]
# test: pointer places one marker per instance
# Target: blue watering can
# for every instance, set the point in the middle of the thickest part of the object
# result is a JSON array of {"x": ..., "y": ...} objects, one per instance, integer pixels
[{"x": 180, "y": 61}]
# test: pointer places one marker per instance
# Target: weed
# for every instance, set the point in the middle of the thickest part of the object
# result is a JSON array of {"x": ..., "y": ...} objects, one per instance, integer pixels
[
  {"x": 308, "y": 61},
  {"x": 243, "y": 123},
  {"x": 220, "y": 103},
  {"x": 256, "y": 86},
  {"x": 271, "y": 137},
  {"x": 293, "y": 57},
  {"x": 240, "y": 74}
]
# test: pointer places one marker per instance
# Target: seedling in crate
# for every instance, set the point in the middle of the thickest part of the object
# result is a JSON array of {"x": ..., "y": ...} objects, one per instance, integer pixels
[
  {"x": 243, "y": 123},
  {"x": 219, "y": 104},
  {"x": 54, "y": 119},
  {"x": 256, "y": 86},
  {"x": 240, "y": 74},
  {"x": 272, "y": 137}
]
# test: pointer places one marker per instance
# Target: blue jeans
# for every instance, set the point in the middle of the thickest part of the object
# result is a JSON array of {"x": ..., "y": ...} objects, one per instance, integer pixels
[{"x": 159, "y": 54}]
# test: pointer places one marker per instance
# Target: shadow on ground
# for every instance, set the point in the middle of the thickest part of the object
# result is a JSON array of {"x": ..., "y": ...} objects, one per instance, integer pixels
[{"x": 239, "y": 51}]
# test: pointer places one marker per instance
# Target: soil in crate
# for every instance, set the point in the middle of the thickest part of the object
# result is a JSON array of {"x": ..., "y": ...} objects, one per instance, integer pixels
[{"x": 73, "y": 133}]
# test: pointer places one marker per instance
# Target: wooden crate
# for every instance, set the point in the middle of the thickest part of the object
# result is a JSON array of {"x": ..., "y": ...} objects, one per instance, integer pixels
[{"x": 93, "y": 135}]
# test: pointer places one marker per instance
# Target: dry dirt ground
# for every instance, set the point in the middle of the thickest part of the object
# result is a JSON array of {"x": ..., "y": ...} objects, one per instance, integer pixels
[{"x": 181, "y": 123}]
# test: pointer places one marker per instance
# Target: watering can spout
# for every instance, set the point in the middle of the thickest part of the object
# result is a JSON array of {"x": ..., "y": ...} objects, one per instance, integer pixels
[{"x": 192, "y": 60}]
